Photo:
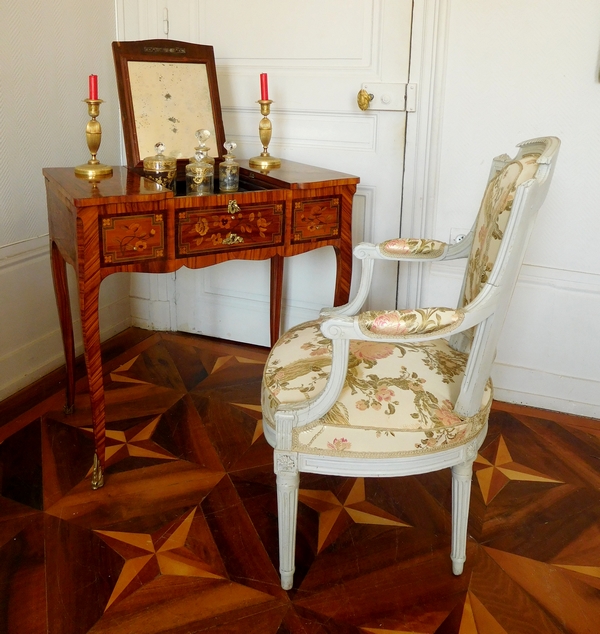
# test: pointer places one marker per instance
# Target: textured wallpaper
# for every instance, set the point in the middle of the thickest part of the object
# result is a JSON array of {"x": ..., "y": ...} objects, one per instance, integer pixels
[{"x": 47, "y": 51}]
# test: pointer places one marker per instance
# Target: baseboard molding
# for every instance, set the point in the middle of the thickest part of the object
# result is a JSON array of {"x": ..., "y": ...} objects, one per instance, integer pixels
[
  {"x": 37, "y": 358},
  {"x": 153, "y": 304},
  {"x": 568, "y": 394},
  {"x": 31, "y": 338},
  {"x": 559, "y": 293}
]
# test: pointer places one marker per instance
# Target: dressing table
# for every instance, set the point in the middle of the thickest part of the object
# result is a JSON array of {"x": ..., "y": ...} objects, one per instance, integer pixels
[{"x": 126, "y": 222}]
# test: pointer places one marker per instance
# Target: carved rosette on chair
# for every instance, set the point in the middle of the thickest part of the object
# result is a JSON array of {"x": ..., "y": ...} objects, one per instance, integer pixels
[{"x": 402, "y": 392}]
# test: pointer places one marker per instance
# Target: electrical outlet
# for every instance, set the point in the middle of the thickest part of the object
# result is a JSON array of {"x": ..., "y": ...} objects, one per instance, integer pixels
[{"x": 458, "y": 235}]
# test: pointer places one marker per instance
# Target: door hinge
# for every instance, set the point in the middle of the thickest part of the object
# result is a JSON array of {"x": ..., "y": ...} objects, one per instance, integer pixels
[
  {"x": 401, "y": 97},
  {"x": 166, "y": 21}
]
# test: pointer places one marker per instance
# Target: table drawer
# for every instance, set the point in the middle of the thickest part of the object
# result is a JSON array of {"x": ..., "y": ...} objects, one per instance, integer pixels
[
  {"x": 316, "y": 219},
  {"x": 131, "y": 238},
  {"x": 235, "y": 226}
]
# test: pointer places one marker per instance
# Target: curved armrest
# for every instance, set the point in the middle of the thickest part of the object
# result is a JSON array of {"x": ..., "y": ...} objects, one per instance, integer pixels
[
  {"x": 399, "y": 250},
  {"x": 419, "y": 324},
  {"x": 409, "y": 323},
  {"x": 415, "y": 249}
]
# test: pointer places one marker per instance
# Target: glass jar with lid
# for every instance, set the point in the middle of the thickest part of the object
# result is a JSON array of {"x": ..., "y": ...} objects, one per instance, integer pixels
[
  {"x": 160, "y": 168},
  {"x": 229, "y": 170}
]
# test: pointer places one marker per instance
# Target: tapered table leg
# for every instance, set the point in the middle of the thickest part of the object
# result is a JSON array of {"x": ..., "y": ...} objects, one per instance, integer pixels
[
  {"x": 276, "y": 294},
  {"x": 343, "y": 276},
  {"x": 88, "y": 300},
  {"x": 61, "y": 292}
]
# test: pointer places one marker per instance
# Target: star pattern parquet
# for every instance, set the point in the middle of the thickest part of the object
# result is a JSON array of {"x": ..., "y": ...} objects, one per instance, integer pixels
[{"x": 183, "y": 536}]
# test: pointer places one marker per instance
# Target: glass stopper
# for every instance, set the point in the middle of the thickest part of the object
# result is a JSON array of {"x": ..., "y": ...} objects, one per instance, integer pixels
[
  {"x": 202, "y": 136},
  {"x": 229, "y": 146}
]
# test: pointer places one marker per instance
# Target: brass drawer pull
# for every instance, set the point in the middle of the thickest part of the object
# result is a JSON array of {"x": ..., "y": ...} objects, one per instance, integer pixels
[
  {"x": 233, "y": 207},
  {"x": 233, "y": 238}
]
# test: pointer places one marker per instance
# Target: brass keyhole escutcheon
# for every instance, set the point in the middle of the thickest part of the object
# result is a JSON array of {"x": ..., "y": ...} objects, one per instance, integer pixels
[{"x": 364, "y": 99}]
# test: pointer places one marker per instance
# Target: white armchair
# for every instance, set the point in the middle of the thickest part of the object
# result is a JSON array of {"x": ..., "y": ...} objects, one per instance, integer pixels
[{"x": 401, "y": 392}]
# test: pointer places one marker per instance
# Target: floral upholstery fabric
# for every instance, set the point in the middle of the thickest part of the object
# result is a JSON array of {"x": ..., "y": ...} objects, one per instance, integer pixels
[
  {"x": 412, "y": 247},
  {"x": 420, "y": 321},
  {"x": 398, "y": 399},
  {"x": 492, "y": 219}
]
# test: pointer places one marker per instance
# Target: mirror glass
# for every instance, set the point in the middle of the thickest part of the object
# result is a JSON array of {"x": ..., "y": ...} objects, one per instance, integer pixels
[
  {"x": 167, "y": 91},
  {"x": 171, "y": 102}
]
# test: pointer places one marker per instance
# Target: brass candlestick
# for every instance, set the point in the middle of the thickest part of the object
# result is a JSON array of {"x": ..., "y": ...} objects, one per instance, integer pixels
[
  {"x": 265, "y": 161},
  {"x": 93, "y": 134}
]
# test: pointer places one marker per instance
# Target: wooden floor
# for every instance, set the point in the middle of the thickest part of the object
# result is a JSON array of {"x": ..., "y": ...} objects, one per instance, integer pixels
[{"x": 182, "y": 538}]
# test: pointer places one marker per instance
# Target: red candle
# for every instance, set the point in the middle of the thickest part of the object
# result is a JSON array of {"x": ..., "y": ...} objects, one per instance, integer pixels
[
  {"x": 264, "y": 87},
  {"x": 93, "y": 86}
]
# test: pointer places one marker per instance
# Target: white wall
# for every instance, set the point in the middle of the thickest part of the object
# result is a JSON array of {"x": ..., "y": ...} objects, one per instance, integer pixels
[
  {"x": 47, "y": 50},
  {"x": 516, "y": 70}
]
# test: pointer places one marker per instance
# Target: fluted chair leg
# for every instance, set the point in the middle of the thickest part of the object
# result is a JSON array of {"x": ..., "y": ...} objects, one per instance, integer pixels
[
  {"x": 288, "y": 482},
  {"x": 461, "y": 493}
]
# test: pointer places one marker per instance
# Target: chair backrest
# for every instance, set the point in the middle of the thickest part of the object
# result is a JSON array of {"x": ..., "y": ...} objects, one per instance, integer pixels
[
  {"x": 506, "y": 217},
  {"x": 492, "y": 219}
]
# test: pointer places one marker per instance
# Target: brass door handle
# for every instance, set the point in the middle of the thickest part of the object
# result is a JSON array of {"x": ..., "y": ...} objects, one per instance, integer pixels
[{"x": 364, "y": 99}]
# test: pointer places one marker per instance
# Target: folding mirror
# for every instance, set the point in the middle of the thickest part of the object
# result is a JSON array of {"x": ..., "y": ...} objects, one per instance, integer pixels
[{"x": 167, "y": 91}]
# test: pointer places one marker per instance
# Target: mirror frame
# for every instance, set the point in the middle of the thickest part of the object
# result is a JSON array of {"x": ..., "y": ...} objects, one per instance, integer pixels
[{"x": 164, "y": 51}]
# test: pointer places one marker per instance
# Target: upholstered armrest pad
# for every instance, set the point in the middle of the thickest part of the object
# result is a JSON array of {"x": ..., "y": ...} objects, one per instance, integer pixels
[
  {"x": 407, "y": 323},
  {"x": 417, "y": 248}
]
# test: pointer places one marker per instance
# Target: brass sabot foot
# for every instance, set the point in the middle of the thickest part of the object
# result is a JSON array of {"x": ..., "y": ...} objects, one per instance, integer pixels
[{"x": 97, "y": 474}]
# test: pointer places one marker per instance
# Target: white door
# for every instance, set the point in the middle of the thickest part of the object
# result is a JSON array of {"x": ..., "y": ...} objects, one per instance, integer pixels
[{"x": 317, "y": 55}]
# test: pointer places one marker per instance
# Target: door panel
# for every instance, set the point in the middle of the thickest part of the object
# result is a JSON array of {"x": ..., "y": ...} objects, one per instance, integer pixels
[{"x": 317, "y": 55}]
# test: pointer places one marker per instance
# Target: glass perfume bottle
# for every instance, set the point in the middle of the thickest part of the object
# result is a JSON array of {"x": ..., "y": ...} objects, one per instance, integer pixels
[
  {"x": 199, "y": 175},
  {"x": 203, "y": 136},
  {"x": 229, "y": 170}
]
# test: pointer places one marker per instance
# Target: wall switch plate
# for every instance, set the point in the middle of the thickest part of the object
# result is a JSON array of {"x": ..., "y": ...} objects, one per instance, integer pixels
[{"x": 458, "y": 235}]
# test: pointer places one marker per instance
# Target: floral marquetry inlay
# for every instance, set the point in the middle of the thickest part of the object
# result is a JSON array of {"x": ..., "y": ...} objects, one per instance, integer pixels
[
  {"x": 316, "y": 219},
  {"x": 217, "y": 229},
  {"x": 132, "y": 238}
]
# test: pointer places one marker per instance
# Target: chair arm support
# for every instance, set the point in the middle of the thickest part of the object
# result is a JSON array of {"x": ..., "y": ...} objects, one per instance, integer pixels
[
  {"x": 354, "y": 306},
  {"x": 400, "y": 250},
  {"x": 297, "y": 414}
]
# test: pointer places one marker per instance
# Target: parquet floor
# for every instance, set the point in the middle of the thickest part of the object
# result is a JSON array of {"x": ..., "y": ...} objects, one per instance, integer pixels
[{"x": 182, "y": 538}]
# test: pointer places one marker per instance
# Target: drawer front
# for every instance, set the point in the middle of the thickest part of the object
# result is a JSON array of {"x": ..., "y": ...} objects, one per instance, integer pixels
[
  {"x": 131, "y": 238},
  {"x": 316, "y": 219},
  {"x": 226, "y": 228}
]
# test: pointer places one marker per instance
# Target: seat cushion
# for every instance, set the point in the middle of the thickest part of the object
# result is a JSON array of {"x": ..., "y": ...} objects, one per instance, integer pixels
[{"x": 397, "y": 400}]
